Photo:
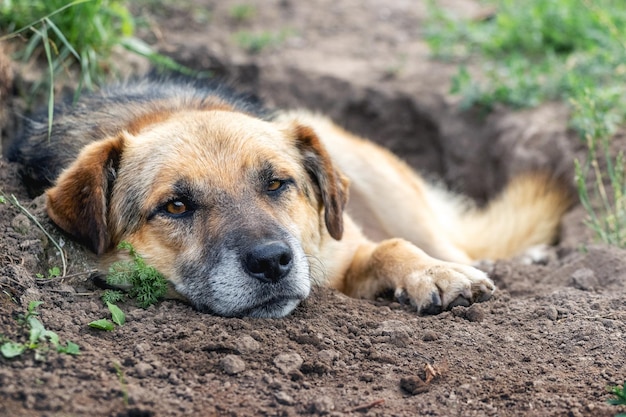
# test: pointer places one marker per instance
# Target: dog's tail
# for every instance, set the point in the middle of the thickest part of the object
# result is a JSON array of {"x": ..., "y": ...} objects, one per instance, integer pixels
[{"x": 525, "y": 214}]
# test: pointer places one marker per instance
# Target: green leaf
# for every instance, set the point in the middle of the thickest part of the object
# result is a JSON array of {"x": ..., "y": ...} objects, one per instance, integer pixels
[
  {"x": 52, "y": 336},
  {"x": 11, "y": 349},
  {"x": 70, "y": 348},
  {"x": 32, "y": 306},
  {"x": 117, "y": 314},
  {"x": 102, "y": 324},
  {"x": 54, "y": 272},
  {"x": 37, "y": 330}
]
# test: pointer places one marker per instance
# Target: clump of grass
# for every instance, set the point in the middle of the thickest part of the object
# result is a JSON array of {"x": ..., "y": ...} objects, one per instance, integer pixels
[
  {"x": 145, "y": 284},
  {"x": 242, "y": 12},
  {"x": 535, "y": 50},
  {"x": 539, "y": 50},
  {"x": 619, "y": 398},
  {"x": 255, "y": 42},
  {"x": 607, "y": 217},
  {"x": 40, "y": 340},
  {"x": 78, "y": 35}
]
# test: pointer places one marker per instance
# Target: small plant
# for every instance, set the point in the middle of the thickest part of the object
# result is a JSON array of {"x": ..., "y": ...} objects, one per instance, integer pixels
[
  {"x": 607, "y": 218},
  {"x": 619, "y": 397},
  {"x": 53, "y": 272},
  {"x": 256, "y": 42},
  {"x": 39, "y": 339},
  {"x": 75, "y": 37},
  {"x": 242, "y": 12},
  {"x": 145, "y": 284},
  {"x": 117, "y": 315}
]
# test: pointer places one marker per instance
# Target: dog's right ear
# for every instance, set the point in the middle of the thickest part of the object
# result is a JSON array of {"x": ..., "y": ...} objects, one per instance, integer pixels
[{"x": 78, "y": 203}]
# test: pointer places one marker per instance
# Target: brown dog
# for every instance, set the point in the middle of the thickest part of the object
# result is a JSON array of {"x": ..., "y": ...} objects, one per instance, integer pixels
[{"x": 242, "y": 212}]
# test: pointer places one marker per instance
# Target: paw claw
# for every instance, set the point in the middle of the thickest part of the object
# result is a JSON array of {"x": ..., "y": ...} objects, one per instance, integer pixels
[
  {"x": 434, "y": 307},
  {"x": 402, "y": 296},
  {"x": 460, "y": 301}
]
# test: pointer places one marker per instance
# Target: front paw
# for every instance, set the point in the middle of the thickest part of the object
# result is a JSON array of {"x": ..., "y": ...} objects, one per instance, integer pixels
[{"x": 444, "y": 285}]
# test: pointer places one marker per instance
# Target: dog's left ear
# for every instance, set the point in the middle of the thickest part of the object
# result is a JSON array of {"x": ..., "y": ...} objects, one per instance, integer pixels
[
  {"x": 78, "y": 203},
  {"x": 333, "y": 186}
]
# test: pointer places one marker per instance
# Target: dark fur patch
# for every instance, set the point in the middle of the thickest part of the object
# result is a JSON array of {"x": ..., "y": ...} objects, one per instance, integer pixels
[{"x": 121, "y": 107}]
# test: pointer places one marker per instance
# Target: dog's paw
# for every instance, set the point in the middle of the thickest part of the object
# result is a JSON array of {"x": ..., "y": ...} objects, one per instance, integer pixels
[{"x": 444, "y": 285}]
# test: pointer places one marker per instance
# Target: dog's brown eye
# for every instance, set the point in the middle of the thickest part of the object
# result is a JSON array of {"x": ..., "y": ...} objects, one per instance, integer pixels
[
  {"x": 274, "y": 185},
  {"x": 176, "y": 207}
]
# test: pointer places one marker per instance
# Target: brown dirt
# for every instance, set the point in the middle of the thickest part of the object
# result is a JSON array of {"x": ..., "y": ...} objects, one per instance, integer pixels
[{"x": 549, "y": 342}]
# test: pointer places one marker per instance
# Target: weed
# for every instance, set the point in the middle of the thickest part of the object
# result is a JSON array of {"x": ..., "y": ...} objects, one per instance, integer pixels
[
  {"x": 620, "y": 397},
  {"x": 32, "y": 218},
  {"x": 53, "y": 272},
  {"x": 39, "y": 339},
  {"x": 607, "y": 218},
  {"x": 117, "y": 315},
  {"x": 79, "y": 34},
  {"x": 256, "y": 42},
  {"x": 145, "y": 284},
  {"x": 242, "y": 12},
  {"x": 142, "y": 282},
  {"x": 120, "y": 377},
  {"x": 536, "y": 50}
]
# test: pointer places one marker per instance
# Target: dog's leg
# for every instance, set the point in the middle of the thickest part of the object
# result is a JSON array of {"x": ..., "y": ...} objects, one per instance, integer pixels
[{"x": 429, "y": 284}]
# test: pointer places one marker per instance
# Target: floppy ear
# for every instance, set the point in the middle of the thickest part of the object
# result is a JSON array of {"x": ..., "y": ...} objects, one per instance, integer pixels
[
  {"x": 333, "y": 186},
  {"x": 78, "y": 203}
]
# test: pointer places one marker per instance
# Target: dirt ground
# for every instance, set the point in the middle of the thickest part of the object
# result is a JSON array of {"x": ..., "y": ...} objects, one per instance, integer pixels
[{"x": 548, "y": 344}]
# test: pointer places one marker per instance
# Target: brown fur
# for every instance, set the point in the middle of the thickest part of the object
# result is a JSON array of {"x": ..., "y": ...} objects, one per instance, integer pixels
[{"x": 247, "y": 187}]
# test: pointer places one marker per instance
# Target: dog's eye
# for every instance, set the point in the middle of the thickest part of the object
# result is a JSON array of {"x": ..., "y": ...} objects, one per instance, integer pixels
[
  {"x": 177, "y": 208},
  {"x": 275, "y": 185}
]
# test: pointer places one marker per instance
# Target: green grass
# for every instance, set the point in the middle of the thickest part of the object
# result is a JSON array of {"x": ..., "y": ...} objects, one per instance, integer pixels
[
  {"x": 255, "y": 42},
  {"x": 242, "y": 12},
  {"x": 535, "y": 51},
  {"x": 619, "y": 397},
  {"x": 74, "y": 37}
]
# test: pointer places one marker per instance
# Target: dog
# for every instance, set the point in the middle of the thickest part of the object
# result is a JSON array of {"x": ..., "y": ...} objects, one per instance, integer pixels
[{"x": 243, "y": 210}]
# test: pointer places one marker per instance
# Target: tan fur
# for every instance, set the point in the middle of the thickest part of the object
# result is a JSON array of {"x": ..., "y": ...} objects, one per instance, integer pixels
[{"x": 399, "y": 233}]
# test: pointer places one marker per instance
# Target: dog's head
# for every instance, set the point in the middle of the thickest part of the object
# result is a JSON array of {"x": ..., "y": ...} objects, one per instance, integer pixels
[{"x": 226, "y": 206}]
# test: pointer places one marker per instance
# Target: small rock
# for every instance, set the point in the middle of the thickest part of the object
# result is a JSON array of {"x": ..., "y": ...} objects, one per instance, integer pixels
[
  {"x": 288, "y": 362},
  {"x": 413, "y": 385},
  {"x": 552, "y": 313},
  {"x": 283, "y": 398},
  {"x": 143, "y": 370},
  {"x": 247, "y": 344},
  {"x": 232, "y": 364},
  {"x": 21, "y": 224},
  {"x": 584, "y": 279},
  {"x": 430, "y": 336},
  {"x": 366, "y": 378},
  {"x": 328, "y": 355},
  {"x": 322, "y": 405}
]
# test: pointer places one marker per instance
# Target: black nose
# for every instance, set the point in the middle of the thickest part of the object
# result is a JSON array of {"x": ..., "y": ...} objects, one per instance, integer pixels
[{"x": 268, "y": 261}]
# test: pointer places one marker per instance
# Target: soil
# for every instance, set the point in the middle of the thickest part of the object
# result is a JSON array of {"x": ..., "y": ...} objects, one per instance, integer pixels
[{"x": 547, "y": 344}]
